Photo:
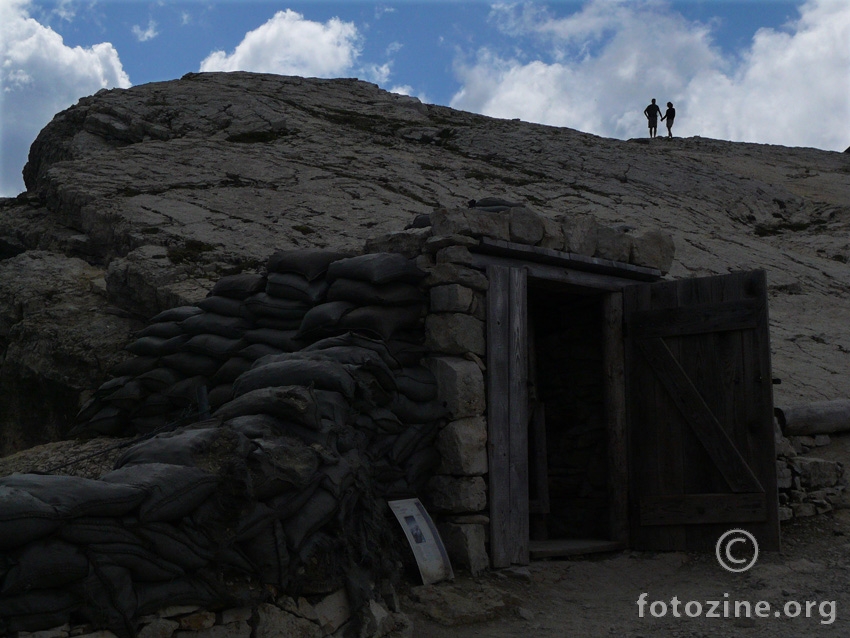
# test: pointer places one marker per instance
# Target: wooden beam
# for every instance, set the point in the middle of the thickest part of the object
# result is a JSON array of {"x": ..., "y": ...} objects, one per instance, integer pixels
[
  {"x": 701, "y": 509},
  {"x": 498, "y": 414},
  {"x": 615, "y": 412},
  {"x": 518, "y": 401},
  {"x": 549, "y": 256},
  {"x": 690, "y": 320},
  {"x": 698, "y": 416}
]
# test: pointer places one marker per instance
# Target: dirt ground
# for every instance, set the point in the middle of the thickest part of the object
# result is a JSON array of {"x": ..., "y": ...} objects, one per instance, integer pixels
[{"x": 598, "y": 596}]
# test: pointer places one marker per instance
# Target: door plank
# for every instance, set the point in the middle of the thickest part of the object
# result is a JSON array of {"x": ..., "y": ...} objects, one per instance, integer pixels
[
  {"x": 704, "y": 424},
  {"x": 699, "y": 509}
]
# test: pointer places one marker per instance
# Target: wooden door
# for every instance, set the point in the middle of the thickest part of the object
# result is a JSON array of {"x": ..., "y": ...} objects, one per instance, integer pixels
[{"x": 700, "y": 412}]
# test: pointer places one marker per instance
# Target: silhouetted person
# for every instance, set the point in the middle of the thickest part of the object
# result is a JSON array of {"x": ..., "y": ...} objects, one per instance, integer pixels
[
  {"x": 652, "y": 112},
  {"x": 669, "y": 115}
]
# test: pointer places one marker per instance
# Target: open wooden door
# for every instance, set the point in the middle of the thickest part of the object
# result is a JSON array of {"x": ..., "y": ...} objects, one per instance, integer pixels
[{"x": 700, "y": 412}]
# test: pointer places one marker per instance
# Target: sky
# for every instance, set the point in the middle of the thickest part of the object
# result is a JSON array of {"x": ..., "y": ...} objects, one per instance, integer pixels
[{"x": 765, "y": 71}]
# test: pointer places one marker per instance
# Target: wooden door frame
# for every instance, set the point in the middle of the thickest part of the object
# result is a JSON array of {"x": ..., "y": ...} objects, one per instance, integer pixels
[{"x": 507, "y": 400}]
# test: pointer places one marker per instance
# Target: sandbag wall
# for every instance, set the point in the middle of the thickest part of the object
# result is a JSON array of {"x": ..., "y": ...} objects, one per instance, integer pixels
[{"x": 320, "y": 410}]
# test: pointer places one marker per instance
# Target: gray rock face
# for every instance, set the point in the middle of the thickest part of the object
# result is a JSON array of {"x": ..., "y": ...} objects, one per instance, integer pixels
[{"x": 151, "y": 194}]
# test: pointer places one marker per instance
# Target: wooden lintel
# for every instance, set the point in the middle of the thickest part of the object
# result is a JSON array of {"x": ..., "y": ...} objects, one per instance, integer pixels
[
  {"x": 700, "y": 509},
  {"x": 573, "y": 261}
]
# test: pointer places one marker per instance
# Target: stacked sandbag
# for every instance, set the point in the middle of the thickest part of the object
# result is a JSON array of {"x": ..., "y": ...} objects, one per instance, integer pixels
[{"x": 320, "y": 409}]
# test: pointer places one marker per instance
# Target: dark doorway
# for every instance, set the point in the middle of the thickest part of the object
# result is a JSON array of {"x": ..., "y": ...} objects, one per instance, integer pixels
[{"x": 568, "y": 460}]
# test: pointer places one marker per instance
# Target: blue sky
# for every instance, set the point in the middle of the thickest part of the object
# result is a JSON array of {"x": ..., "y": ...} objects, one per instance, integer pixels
[{"x": 769, "y": 71}]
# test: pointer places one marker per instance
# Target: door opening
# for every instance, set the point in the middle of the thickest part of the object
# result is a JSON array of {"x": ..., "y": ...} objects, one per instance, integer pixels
[{"x": 568, "y": 454}]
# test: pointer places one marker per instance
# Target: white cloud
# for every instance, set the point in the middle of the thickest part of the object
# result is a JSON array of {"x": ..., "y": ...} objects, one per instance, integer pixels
[
  {"x": 290, "y": 45},
  {"x": 40, "y": 76},
  {"x": 379, "y": 74},
  {"x": 149, "y": 33},
  {"x": 607, "y": 60}
]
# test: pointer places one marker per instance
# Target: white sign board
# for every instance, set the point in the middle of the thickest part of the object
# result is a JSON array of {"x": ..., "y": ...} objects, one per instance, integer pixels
[{"x": 425, "y": 541}]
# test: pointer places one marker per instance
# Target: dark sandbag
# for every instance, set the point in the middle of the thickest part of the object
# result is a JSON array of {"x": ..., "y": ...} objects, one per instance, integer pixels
[
  {"x": 109, "y": 420},
  {"x": 164, "y": 329},
  {"x": 154, "y": 405},
  {"x": 74, "y": 496},
  {"x": 417, "y": 412},
  {"x": 420, "y": 467},
  {"x": 410, "y": 440},
  {"x": 255, "y": 426},
  {"x": 185, "y": 393},
  {"x": 109, "y": 599},
  {"x": 127, "y": 397},
  {"x": 189, "y": 590},
  {"x": 176, "y": 546},
  {"x": 350, "y": 339},
  {"x": 108, "y": 387},
  {"x": 177, "y": 314},
  {"x": 156, "y": 346},
  {"x": 220, "y": 395},
  {"x": 338, "y": 478},
  {"x": 24, "y": 518},
  {"x": 364, "y": 358},
  {"x": 377, "y": 268},
  {"x": 158, "y": 379},
  {"x": 381, "y": 321},
  {"x": 264, "y": 305},
  {"x": 36, "y": 610},
  {"x": 274, "y": 323},
  {"x": 191, "y": 364},
  {"x": 296, "y": 287},
  {"x": 84, "y": 531},
  {"x": 283, "y": 339},
  {"x": 289, "y": 403},
  {"x": 417, "y": 383},
  {"x": 281, "y": 464},
  {"x": 333, "y": 406},
  {"x": 257, "y": 351},
  {"x": 143, "y": 564},
  {"x": 254, "y": 522},
  {"x": 311, "y": 263},
  {"x": 268, "y": 554},
  {"x": 407, "y": 353},
  {"x": 324, "y": 319},
  {"x": 238, "y": 286},
  {"x": 313, "y": 515},
  {"x": 231, "y": 369},
  {"x": 364, "y": 293},
  {"x": 186, "y": 447},
  {"x": 171, "y": 491},
  {"x": 385, "y": 421},
  {"x": 148, "y": 424},
  {"x": 215, "y": 345},
  {"x": 45, "y": 564},
  {"x": 325, "y": 375},
  {"x": 134, "y": 366},
  {"x": 211, "y": 323},
  {"x": 225, "y": 306}
]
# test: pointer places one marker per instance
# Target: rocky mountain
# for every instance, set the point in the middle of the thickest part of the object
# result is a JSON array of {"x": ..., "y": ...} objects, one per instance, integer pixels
[{"x": 140, "y": 199}]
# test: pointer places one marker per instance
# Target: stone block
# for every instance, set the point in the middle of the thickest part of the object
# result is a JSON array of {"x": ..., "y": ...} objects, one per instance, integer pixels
[
  {"x": 240, "y": 629},
  {"x": 553, "y": 234},
  {"x": 460, "y": 385},
  {"x": 465, "y": 545},
  {"x": 273, "y": 623},
  {"x": 803, "y": 510},
  {"x": 580, "y": 234},
  {"x": 526, "y": 226},
  {"x": 442, "y": 274},
  {"x": 815, "y": 473},
  {"x": 236, "y": 614},
  {"x": 438, "y": 242},
  {"x": 159, "y": 628},
  {"x": 471, "y": 222},
  {"x": 454, "y": 255},
  {"x": 455, "y": 333},
  {"x": 613, "y": 244},
  {"x": 406, "y": 242},
  {"x": 463, "y": 447},
  {"x": 784, "y": 478},
  {"x": 822, "y": 439},
  {"x": 458, "y": 494},
  {"x": 198, "y": 620},
  {"x": 333, "y": 611},
  {"x": 452, "y": 298},
  {"x": 56, "y": 632},
  {"x": 653, "y": 249}
]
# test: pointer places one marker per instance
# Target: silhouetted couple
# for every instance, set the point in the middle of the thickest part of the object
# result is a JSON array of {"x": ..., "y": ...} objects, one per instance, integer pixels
[{"x": 653, "y": 111}]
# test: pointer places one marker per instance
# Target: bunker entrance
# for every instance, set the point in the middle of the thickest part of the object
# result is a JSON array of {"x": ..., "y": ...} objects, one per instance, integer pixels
[{"x": 568, "y": 453}]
